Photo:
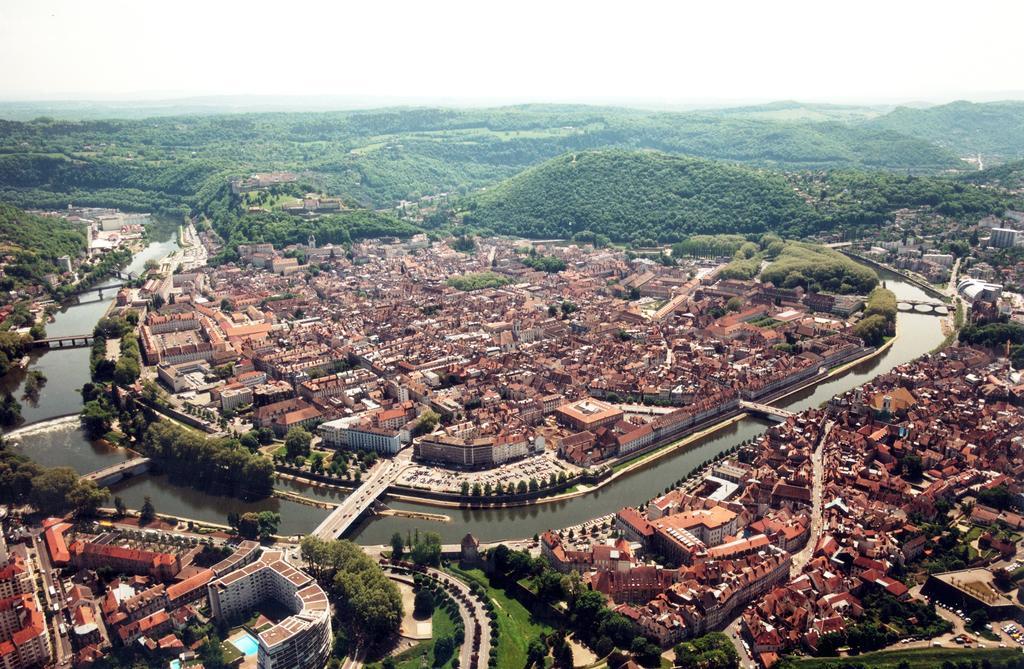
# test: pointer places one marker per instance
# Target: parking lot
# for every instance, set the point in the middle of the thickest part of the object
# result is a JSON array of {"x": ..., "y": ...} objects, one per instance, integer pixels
[{"x": 539, "y": 467}]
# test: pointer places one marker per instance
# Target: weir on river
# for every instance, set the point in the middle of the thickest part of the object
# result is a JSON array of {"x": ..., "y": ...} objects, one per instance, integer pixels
[{"x": 63, "y": 444}]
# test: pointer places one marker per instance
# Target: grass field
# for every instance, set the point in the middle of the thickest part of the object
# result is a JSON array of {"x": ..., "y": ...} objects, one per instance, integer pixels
[
  {"x": 516, "y": 626},
  {"x": 919, "y": 658},
  {"x": 422, "y": 654}
]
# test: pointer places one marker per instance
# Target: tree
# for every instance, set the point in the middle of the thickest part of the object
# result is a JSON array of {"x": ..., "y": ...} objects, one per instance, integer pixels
[
  {"x": 872, "y": 329},
  {"x": 296, "y": 442},
  {"x": 427, "y": 422},
  {"x": 52, "y": 488},
  {"x": 251, "y": 441},
  {"x": 536, "y": 651},
  {"x": 397, "y": 546},
  {"x": 10, "y": 411},
  {"x": 734, "y": 304},
  {"x": 562, "y": 652},
  {"x": 426, "y": 550},
  {"x": 96, "y": 418},
  {"x": 443, "y": 650},
  {"x": 85, "y": 497},
  {"x": 249, "y": 525},
  {"x": 423, "y": 603},
  {"x": 147, "y": 513},
  {"x": 913, "y": 467},
  {"x": 267, "y": 523},
  {"x": 37, "y": 331},
  {"x": 1003, "y": 579},
  {"x": 587, "y": 607},
  {"x": 645, "y": 652},
  {"x": 127, "y": 370},
  {"x": 549, "y": 586},
  {"x": 265, "y": 435},
  {"x": 119, "y": 507}
]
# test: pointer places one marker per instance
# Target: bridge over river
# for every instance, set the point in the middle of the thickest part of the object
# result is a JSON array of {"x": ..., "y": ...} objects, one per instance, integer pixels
[
  {"x": 114, "y": 473},
  {"x": 356, "y": 504},
  {"x": 766, "y": 411},
  {"x": 934, "y": 307}
]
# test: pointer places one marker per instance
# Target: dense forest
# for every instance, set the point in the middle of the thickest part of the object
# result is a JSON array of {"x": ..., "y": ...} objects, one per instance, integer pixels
[
  {"x": 852, "y": 166},
  {"x": 35, "y": 243},
  {"x": 639, "y": 196},
  {"x": 645, "y": 196},
  {"x": 992, "y": 129},
  {"x": 378, "y": 157}
]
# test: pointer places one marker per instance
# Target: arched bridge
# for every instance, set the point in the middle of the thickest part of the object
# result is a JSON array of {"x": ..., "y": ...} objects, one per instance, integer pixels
[
  {"x": 934, "y": 307},
  {"x": 766, "y": 411}
]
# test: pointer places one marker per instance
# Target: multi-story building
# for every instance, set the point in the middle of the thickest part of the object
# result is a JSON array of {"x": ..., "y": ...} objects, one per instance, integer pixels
[
  {"x": 15, "y": 578},
  {"x": 1005, "y": 237},
  {"x": 300, "y": 641},
  {"x": 24, "y": 639},
  {"x": 352, "y": 433},
  {"x": 90, "y": 555}
]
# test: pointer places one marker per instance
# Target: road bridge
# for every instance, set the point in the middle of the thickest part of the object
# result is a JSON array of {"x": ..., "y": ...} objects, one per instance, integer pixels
[
  {"x": 923, "y": 306},
  {"x": 114, "y": 473},
  {"x": 66, "y": 341},
  {"x": 766, "y": 410},
  {"x": 362, "y": 498}
]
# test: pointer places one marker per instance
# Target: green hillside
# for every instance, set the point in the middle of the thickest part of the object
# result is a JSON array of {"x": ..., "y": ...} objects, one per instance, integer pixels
[
  {"x": 378, "y": 157},
  {"x": 34, "y": 243},
  {"x": 993, "y": 129},
  {"x": 638, "y": 196}
]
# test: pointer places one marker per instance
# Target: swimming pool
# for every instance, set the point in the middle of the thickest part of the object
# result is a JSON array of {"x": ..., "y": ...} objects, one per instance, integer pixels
[
  {"x": 175, "y": 664},
  {"x": 246, "y": 643}
]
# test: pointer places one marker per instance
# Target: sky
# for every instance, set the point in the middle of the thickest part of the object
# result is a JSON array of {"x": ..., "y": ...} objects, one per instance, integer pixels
[{"x": 522, "y": 51}]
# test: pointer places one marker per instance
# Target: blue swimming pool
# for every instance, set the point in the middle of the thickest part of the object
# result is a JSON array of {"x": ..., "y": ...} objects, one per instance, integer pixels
[
  {"x": 246, "y": 643},
  {"x": 175, "y": 664}
]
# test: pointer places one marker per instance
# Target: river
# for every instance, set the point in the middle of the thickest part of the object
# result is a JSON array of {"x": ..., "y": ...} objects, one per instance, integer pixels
[{"x": 62, "y": 443}]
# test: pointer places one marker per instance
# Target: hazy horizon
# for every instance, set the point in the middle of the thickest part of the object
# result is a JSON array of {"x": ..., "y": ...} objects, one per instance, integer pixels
[{"x": 468, "y": 54}]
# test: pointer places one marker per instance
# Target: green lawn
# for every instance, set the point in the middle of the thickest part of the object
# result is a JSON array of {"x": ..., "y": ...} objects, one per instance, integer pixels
[
  {"x": 920, "y": 658},
  {"x": 516, "y": 626},
  {"x": 423, "y": 653},
  {"x": 230, "y": 652}
]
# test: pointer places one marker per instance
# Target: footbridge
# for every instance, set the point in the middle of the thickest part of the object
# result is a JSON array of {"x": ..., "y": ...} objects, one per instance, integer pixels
[
  {"x": 114, "y": 473},
  {"x": 355, "y": 505},
  {"x": 766, "y": 411},
  {"x": 66, "y": 341}
]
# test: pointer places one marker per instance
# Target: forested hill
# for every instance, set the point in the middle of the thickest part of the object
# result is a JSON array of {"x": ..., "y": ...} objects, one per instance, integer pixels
[
  {"x": 993, "y": 129},
  {"x": 35, "y": 243},
  {"x": 638, "y": 196},
  {"x": 646, "y": 196},
  {"x": 379, "y": 157}
]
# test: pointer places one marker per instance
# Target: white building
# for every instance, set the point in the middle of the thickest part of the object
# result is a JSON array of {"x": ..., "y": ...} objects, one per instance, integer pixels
[
  {"x": 351, "y": 433},
  {"x": 300, "y": 641},
  {"x": 1005, "y": 237},
  {"x": 975, "y": 289},
  {"x": 233, "y": 398}
]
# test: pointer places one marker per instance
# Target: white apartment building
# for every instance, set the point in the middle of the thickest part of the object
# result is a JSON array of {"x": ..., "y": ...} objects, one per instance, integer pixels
[
  {"x": 350, "y": 433},
  {"x": 301, "y": 641}
]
